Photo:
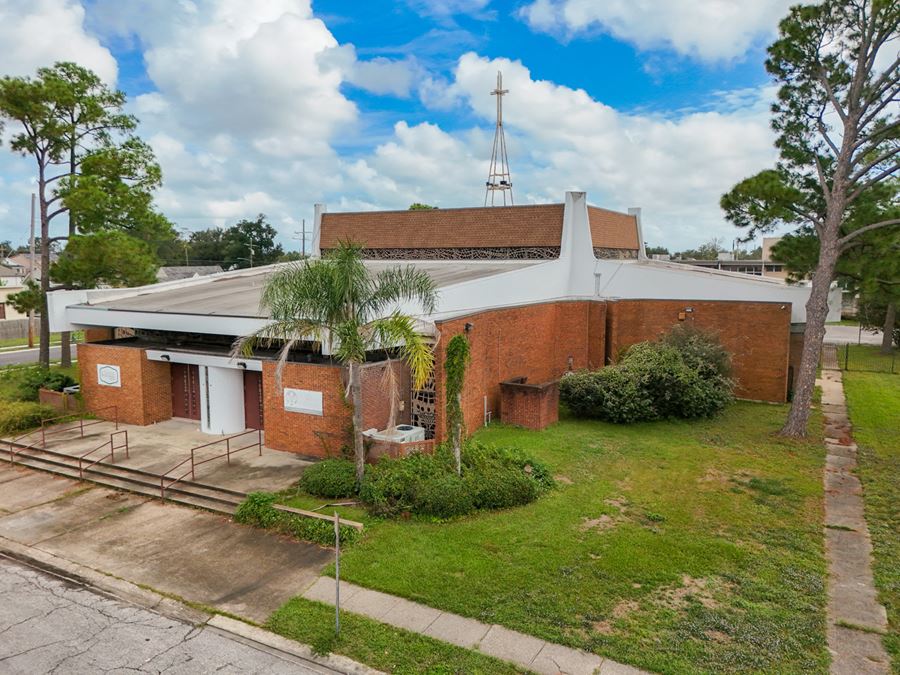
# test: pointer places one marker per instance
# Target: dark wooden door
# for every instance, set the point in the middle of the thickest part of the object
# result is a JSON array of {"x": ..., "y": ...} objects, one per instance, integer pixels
[
  {"x": 186, "y": 391},
  {"x": 253, "y": 400}
]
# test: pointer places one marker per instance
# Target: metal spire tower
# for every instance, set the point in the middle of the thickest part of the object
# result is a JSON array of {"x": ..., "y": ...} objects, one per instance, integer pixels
[{"x": 499, "y": 179}]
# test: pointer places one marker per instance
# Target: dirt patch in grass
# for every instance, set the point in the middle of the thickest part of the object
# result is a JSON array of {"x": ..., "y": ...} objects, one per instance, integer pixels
[
  {"x": 604, "y": 522},
  {"x": 691, "y": 589}
]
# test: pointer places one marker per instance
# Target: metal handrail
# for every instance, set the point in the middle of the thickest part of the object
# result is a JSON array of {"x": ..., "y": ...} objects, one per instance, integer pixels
[
  {"x": 81, "y": 424},
  {"x": 112, "y": 452},
  {"x": 194, "y": 463}
]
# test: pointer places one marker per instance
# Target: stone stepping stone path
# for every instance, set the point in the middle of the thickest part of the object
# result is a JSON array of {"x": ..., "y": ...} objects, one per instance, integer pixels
[{"x": 856, "y": 620}]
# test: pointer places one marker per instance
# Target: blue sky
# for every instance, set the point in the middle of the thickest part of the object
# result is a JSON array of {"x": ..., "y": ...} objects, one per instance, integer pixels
[{"x": 273, "y": 106}]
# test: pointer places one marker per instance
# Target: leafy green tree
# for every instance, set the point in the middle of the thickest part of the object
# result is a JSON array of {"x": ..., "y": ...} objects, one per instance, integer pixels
[
  {"x": 656, "y": 250},
  {"x": 707, "y": 251},
  {"x": 29, "y": 299},
  {"x": 246, "y": 243},
  {"x": 335, "y": 301},
  {"x": 90, "y": 166},
  {"x": 113, "y": 258},
  {"x": 838, "y": 138},
  {"x": 752, "y": 254},
  {"x": 870, "y": 266},
  {"x": 250, "y": 243},
  {"x": 421, "y": 207}
]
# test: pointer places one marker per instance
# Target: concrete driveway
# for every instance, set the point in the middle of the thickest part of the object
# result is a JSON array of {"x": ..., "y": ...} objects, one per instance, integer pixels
[{"x": 187, "y": 552}]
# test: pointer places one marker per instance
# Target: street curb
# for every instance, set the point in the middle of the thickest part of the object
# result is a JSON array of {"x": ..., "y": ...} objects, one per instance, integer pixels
[{"x": 126, "y": 591}]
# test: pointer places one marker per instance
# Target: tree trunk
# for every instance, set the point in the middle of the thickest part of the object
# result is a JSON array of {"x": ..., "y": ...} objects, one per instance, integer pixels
[
  {"x": 887, "y": 336},
  {"x": 359, "y": 450},
  {"x": 65, "y": 338},
  {"x": 813, "y": 336}
]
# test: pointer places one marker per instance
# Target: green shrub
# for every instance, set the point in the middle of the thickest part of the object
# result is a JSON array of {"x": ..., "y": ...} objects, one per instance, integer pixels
[
  {"x": 502, "y": 488},
  {"x": 32, "y": 379},
  {"x": 330, "y": 478},
  {"x": 443, "y": 496},
  {"x": 492, "y": 478},
  {"x": 258, "y": 510},
  {"x": 611, "y": 394},
  {"x": 18, "y": 416},
  {"x": 389, "y": 487},
  {"x": 686, "y": 375}
]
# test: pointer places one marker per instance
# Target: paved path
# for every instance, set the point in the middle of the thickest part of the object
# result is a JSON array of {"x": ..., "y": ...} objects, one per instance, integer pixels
[
  {"x": 852, "y": 598},
  {"x": 529, "y": 652},
  {"x": 49, "y": 624}
]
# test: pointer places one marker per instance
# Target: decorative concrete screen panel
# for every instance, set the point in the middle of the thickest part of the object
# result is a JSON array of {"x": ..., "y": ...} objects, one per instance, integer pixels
[
  {"x": 108, "y": 375},
  {"x": 303, "y": 401}
]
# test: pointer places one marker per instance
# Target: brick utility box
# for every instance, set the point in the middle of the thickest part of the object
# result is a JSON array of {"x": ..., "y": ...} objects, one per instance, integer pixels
[{"x": 533, "y": 406}]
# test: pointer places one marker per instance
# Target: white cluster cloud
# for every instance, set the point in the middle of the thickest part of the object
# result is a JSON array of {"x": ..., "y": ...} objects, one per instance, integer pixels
[
  {"x": 709, "y": 30},
  {"x": 248, "y": 112},
  {"x": 40, "y": 32}
]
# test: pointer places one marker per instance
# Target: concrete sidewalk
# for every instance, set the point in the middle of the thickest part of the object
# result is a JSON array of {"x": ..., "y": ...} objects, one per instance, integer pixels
[
  {"x": 523, "y": 650},
  {"x": 856, "y": 619}
]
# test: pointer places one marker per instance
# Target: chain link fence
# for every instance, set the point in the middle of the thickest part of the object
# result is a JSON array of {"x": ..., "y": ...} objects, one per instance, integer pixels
[{"x": 867, "y": 358}]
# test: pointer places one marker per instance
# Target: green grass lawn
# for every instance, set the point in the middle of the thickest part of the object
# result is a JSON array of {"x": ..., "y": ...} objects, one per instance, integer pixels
[
  {"x": 673, "y": 546},
  {"x": 11, "y": 377},
  {"x": 844, "y": 322},
  {"x": 874, "y": 402},
  {"x": 381, "y": 646},
  {"x": 77, "y": 336}
]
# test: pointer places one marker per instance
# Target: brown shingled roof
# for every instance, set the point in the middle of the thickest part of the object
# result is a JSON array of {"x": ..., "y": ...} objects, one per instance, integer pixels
[
  {"x": 490, "y": 227},
  {"x": 611, "y": 229}
]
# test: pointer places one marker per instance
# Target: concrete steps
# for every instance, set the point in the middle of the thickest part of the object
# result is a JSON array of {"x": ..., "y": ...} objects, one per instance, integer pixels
[{"x": 185, "y": 492}]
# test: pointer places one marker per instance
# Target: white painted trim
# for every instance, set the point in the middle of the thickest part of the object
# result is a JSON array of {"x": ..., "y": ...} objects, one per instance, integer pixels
[
  {"x": 203, "y": 359},
  {"x": 211, "y": 324}
]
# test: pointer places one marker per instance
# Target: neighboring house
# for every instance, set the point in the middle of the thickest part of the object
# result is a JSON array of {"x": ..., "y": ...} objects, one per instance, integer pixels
[
  {"x": 539, "y": 290},
  {"x": 177, "y": 272},
  {"x": 22, "y": 263}
]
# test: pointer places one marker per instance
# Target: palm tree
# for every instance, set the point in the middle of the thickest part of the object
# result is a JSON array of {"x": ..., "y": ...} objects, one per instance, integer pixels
[{"x": 334, "y": 300}]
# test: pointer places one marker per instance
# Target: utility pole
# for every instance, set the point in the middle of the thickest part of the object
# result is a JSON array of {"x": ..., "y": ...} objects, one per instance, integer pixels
[
  {"x": 30, "y": 275},
  {"x": 302, "y": 237},
  {"x": 250, "y": 244}
]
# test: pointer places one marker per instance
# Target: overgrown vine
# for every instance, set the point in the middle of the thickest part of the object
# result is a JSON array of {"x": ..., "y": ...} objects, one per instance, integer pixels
[{"x": 455, "y": 365}]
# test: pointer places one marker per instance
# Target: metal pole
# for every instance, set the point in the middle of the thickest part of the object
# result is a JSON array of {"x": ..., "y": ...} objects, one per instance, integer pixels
[
  {"x": 31, "y": 275},
  {"x": 337, "y": 574}
]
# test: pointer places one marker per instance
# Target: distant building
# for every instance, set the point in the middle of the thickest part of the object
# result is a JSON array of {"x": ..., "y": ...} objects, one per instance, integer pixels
[{"x": 766, "y": 267}]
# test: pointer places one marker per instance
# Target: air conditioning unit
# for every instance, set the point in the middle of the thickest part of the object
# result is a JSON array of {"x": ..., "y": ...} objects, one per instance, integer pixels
[
  {"x": 402, "y": 433},
  {"x": 408, "y": 433}
]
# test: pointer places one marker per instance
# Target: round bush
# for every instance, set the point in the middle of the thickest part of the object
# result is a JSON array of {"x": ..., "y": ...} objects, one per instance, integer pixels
[
  {"x": 443, "y": 496},
  {"x": 502, "y": 487},
  {"x": 389, "y": 487},
  {"x": 330, "y": 478}
]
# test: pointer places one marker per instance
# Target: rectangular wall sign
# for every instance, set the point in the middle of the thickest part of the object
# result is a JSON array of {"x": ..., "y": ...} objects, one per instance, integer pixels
[{"x": 303, "y": 401}]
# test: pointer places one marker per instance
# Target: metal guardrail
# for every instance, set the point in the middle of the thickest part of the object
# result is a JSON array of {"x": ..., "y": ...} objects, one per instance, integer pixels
[
  {"x": 111, "y": 443},
  {"x": 229, "y": 451},
  {"x": 44, "y": 432},
  {"x": 81, "y": 423}
]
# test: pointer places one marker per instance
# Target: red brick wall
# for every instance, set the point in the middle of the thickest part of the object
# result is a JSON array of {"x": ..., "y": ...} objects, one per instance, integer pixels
[
  {"x": 756, "y": 333},
  {"x": 312, "y": 435},
  {"x": 98, "y": 334},
  {"x": 376, "y": 395},
  {"x": 535, "y": 341},
  {"x": 145, "y": 396},
  {"x": 529, "y": 407}
]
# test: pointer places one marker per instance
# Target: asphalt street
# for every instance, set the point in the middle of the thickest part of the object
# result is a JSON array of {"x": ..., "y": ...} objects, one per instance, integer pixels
[
  {"x": 29, "y": 355},
  {"x": 50, "y": 624}
]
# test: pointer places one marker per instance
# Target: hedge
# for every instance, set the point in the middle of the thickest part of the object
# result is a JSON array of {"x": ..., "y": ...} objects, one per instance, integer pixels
[{"x": 258, "y": 510}]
